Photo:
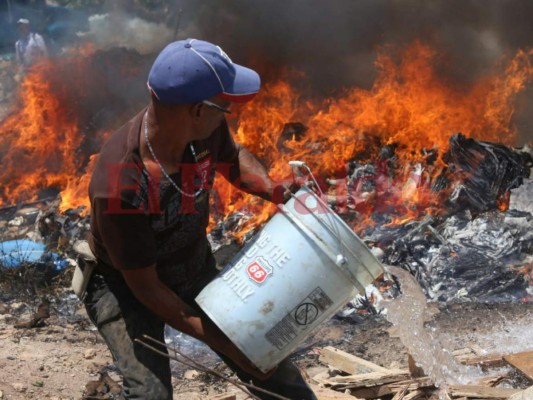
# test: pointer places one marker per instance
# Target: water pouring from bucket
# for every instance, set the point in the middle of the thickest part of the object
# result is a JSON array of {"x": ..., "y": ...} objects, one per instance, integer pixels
[{"x": 299, "y": 270}]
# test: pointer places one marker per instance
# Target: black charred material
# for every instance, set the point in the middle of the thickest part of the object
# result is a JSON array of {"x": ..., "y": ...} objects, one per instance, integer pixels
[
  {"x": 291, "y": 131},
  {"x": 463, "y": 258},
  {"x": 487, "y": 172}
]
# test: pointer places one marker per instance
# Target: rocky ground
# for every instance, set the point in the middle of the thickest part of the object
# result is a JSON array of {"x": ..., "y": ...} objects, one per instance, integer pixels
[{"x": 62, "y": 356}]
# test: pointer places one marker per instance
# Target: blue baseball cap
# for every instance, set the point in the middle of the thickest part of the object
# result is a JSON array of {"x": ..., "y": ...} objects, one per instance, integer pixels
[{"x": 190, "y": 71}]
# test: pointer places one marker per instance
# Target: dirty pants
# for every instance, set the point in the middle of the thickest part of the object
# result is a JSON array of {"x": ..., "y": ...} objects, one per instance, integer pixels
[{"x": 120, "y": 318}]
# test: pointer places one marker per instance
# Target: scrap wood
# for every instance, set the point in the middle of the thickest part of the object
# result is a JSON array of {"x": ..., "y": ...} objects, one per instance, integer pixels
[
  {"x": 414, "y": 395},
  {"x": 473, "y": 355},
  {"x": 392, "y": 388},
  {"x": 400, "y": 394},
  {"x": 347, "y": 362},
  {"x": 372, "y": 378},
  {"x": 480, "y": 392},
  {"x": 522, "y": 362},
  {"x": 490, "y": 360},
  {"x": 328, "y": 394},
  {"x": 523, "y": 394},
  {"x": 468, "y": 352},
  {"x": 375, "y": 392},
  {"x": 411, "y": 384},
  {"x": 322, "y": 378},
  {"x": 491, "y": 380},
  {"x": 369, "y": 379}
]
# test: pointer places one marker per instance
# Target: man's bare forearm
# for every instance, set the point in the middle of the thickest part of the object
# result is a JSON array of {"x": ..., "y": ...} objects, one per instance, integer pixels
[
  {"x": 166, "y": 304},
  {"x": 252, "y": 176}
]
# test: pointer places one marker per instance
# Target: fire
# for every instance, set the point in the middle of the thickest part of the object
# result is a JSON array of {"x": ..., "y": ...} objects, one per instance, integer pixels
[
  {"x": 37, "y": 142},
  {"x": 75, "y": 193},
  {"x": 410, "y": 106},
  {"x": 411, "y": 110},
  {"x": 42, "y": 139}
]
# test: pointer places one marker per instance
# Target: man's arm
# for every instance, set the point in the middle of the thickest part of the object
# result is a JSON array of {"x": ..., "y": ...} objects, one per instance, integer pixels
[
  {"x": 248, "y": 174},
  {"x": 41, "y": 45},
  {"x": 158, "y": 298}
]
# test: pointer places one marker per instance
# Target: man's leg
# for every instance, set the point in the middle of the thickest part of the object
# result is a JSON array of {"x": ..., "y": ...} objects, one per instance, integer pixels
[{"x": 120, "y": 318}]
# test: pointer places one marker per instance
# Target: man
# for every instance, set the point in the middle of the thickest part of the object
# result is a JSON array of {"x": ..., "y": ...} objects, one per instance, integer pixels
[
  {"x": 149, "y": 212},
  {"x": 30, "y": 47}
]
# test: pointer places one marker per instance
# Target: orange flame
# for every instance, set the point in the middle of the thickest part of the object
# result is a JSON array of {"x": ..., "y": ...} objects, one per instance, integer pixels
[
  {"x": 410, "y": 106},
  {"x": 40, "y": 139},
  {"x": 37, "y": 142}
]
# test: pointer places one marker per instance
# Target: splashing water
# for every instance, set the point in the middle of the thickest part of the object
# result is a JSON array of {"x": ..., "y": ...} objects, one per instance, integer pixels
[{"x": 408, "y": 313}]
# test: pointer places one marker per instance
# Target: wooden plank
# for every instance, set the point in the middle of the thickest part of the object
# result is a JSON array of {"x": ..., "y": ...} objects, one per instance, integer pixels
[
  {"x": 412, "y": 384},
  {"x": 347, "y": 362},
  {"x": 523, "y": 395},
  {"x": 370, "y": 379},
  {"x": 392, "y": 388},
  {"x": 490, "y": 380},
  {"x": 400, "y": 394},
  {"x": 522, "y": 362},
  {"x": 328, "y": 394},
  {"x": 482, "y": 392},
  {"x": 415, "y": 395},
  {"x": 375, "y": 392},
  {"x": 322, "y": 378},
  {"x": 490, "y": 360}
]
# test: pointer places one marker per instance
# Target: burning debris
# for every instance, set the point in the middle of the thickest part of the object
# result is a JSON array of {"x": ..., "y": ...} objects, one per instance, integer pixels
[{"x": 434, "y": 204}]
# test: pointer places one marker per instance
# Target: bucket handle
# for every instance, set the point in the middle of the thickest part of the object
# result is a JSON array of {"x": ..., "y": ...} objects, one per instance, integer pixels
[
  {"x": 338, "y": 259},
  {"x": 333, "y": 229}
]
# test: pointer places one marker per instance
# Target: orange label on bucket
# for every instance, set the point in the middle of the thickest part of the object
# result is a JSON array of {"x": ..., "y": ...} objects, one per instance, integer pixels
[{"x": 259, "y": 270}]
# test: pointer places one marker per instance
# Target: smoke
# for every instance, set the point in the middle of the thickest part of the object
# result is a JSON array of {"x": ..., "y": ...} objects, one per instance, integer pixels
[
  {"x": 335, "y": 43},
  {"x": 120, "y": 30}
]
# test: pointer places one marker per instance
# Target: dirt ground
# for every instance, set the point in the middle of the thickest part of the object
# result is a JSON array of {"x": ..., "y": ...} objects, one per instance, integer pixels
[{"x": 58, "y": 359}]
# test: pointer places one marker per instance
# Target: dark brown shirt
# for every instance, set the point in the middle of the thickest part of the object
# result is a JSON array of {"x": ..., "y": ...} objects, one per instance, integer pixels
[{"x": 138, "y": 219}]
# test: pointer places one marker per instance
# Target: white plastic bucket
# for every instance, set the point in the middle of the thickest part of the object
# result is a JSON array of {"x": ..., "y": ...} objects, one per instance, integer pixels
[{"x": 303, "y": 266}]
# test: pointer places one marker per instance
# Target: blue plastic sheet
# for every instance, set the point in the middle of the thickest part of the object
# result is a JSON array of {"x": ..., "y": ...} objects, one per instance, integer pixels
[{"x": 15, "y": 253}]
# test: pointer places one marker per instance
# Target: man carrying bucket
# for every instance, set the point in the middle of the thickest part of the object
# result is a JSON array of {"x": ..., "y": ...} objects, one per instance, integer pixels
[{"x": 149, "y": 211}]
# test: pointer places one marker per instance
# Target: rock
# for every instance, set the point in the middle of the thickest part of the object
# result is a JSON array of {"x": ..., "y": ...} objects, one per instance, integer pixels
[
  {"x": 17, "y": 306},
  {"x": 20, "y": 387},
  {"x": 191, "y": 374},
  {"x": 3, "y": 309},
  {"x": 5, "y": 317},
  {"x": 1, "y": 394},
  {"x": 89, "y": 354},
  {"x": 17, "y": 221}
]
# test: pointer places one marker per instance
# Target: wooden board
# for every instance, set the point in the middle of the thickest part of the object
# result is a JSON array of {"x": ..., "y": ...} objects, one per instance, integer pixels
[
  {"x": 522, "y": 362},
  {"x": 328, "y": 394},
  {"x": 348, "y": 362},
  {"x": 375, "y": 378},
  {"x": 489, "y": 361},
  {"x": 482, "y": 392}
]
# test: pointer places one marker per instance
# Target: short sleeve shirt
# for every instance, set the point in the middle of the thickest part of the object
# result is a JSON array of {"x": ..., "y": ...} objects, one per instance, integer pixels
[{"x": 138, "y": 219}]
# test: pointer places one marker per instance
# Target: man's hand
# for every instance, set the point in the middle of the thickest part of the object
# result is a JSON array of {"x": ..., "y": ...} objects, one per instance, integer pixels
[
  {"x": 282, "y": 191},
  {"x": 244, "y": 363},
  {"x": 157, "y": 297}
]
